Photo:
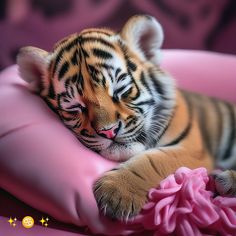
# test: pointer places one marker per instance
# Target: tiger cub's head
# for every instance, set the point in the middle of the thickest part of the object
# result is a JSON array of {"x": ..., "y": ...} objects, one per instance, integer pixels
[{"x": 107, "y": 87}]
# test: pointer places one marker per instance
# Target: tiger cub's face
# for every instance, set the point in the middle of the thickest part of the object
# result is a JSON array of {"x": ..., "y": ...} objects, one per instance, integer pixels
[{"x": 106, "y": 87}]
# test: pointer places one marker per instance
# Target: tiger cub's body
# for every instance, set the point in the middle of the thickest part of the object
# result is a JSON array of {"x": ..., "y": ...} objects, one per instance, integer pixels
[
  {"x": 217, "y": 124},
  {"x": 109, "y": 89}
]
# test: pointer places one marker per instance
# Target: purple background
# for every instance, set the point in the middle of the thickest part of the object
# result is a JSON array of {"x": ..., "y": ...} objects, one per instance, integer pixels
[{"x": 188, "y": 24}]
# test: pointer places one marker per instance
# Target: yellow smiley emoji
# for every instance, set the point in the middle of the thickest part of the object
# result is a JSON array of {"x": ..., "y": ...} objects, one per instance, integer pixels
[{"x": 28, "y": 222}]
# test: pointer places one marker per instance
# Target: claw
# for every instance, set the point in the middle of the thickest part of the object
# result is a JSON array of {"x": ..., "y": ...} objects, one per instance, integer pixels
[{"x": 115, "y": 197}]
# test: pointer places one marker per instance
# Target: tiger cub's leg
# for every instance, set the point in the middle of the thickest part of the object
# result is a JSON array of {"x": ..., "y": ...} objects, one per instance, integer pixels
[
  {"x": 225, "y": 183},
  {"x": 122, "y": 192}
]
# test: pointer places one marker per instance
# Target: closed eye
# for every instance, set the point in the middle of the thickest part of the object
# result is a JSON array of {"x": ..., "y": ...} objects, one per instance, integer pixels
[
  {"x": 76, "y": 108},
  {"x": 70, "y": 105},
  {"x": 122, "y": 94},
  {"x": 126, "y": 93}
]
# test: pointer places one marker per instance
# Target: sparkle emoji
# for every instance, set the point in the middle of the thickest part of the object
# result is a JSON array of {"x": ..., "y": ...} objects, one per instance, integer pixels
[
  {"x": 44, "y": 222},
  {"x": 12, "y": 222}
]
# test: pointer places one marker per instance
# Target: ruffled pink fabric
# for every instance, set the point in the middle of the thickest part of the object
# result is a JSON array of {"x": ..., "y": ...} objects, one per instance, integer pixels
[{"x": 184, "y": 204}]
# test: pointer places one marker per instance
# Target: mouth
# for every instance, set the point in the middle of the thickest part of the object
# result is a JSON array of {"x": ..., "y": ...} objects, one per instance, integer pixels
[
  {"x": 122, "y": 151},
  {"x": 118, "y": 149}
]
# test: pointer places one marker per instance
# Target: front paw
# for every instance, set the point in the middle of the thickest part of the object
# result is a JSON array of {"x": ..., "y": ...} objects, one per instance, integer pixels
[
  {"x": 119, "y": 194},
  {"x": 225, "y": 183}
]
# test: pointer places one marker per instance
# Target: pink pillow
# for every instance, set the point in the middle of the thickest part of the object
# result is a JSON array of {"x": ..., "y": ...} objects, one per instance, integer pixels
[
  {"x": 43, "y": 164},
  {"x": 209, "y": 73}
]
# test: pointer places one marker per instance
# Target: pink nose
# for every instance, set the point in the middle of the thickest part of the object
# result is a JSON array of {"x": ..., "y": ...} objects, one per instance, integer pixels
[{"x": 110, "y": 132}]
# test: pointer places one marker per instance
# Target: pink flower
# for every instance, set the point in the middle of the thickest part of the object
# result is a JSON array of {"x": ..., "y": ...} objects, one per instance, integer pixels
[{"x": 183, "y": 205}]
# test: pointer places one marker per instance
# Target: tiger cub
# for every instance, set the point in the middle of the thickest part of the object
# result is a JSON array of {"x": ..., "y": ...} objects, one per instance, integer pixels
[{"x": 109, "y": 89}]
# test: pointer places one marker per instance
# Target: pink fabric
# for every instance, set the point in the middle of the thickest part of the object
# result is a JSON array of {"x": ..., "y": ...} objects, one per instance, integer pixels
[
  {"x": 43, "y": 164},
  {"x": 213, "y": 74},
  {"x": 183, "y": 205}
]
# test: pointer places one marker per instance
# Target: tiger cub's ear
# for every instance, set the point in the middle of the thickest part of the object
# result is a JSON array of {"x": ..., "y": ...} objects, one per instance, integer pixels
[
  {"x": 144, "y": 36},
  {"x": 33, "y": 64}
]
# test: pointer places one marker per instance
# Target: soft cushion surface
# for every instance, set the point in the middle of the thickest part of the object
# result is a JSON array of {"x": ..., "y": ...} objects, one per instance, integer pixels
[{"x": 43, "y": 164}]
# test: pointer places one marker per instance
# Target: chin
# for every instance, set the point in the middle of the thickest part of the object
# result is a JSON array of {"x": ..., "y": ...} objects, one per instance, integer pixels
[{"x": 122, "y": 152}]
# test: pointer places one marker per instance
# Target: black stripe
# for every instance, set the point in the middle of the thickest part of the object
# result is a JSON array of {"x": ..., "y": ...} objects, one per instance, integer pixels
[
  {"x": 232, "y": 133},
  {"x": 51, "y": 105},
  {"x": 75, "y": 106},
  {"x": 167, "y": 126},
  {"x": 63, "y": 70},
  {"x": 103, "y": 81},
  {"x": 96, "y": 79},
  {"x": 84, "y": 132},
  {"x": 59, "y": 98},
  {"x": 94, "y": 39},
  {"x": 105, "y": 66},
  {"x": 77, "y": 125},
  {"x": 144, "y": 82},
  {"x": 80, "y": 55},
  {"x": 74, "y": 78},
  {"x": 117, "y": 114},
  {"x": 153, "y": 165},
  {"x": 124, "y": 50},
  {"x": 63, "y": 49},
  {"x": 81, "y": 80},
  {"x": 184, "y": 133},
  {"x": 92, "y": 70},
  {"x": 91, "y": 141},
  {"x": 78, "y": 80},
  {"x": 117, "y": 72},
  {"x": 156, "y": 83},
  {"x": 72, "y": 113},
  {"x": 64, "y": 118},
  {"x": 137, "y": 174},
  {"x": 96, "y": 31},
  {"x": 68, "y": 87},
  {"x": 74, "y": 59},
  {"x": 80, "y": 91},
  {"x": 195, "y": 101},
  {"x": 51, "y": 91},
  {"x": 57, "y": 61},
  {"x": 139, "y": 109},
  {"x": 127, "y": 93},
  {"x": 61, "y": 52},
  {"x": 85, "y": 53},
  {"x": 181, "y": 136},
  {"x": 147, "y": 102},
  {"x": 216, "y": 106},
  {"x": 119, "y": 90},
  {"x": 102, "y": 53},
  {"x": 131, "y": 130},
  {"x": 137, "y": 95},
  {"x": 110, "y": 76},
  {"x": 142, "y": 137},
  {"x": 203, "y": 118},
  {"x": 131, "y": 65},
  {"x": 121, "y": 77},
  {"x": 60, "y": 43},
  {"x": 130, "y": 122},
  {"x": 71, "y": 44},
  {"x": 115, "y": 98}
]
